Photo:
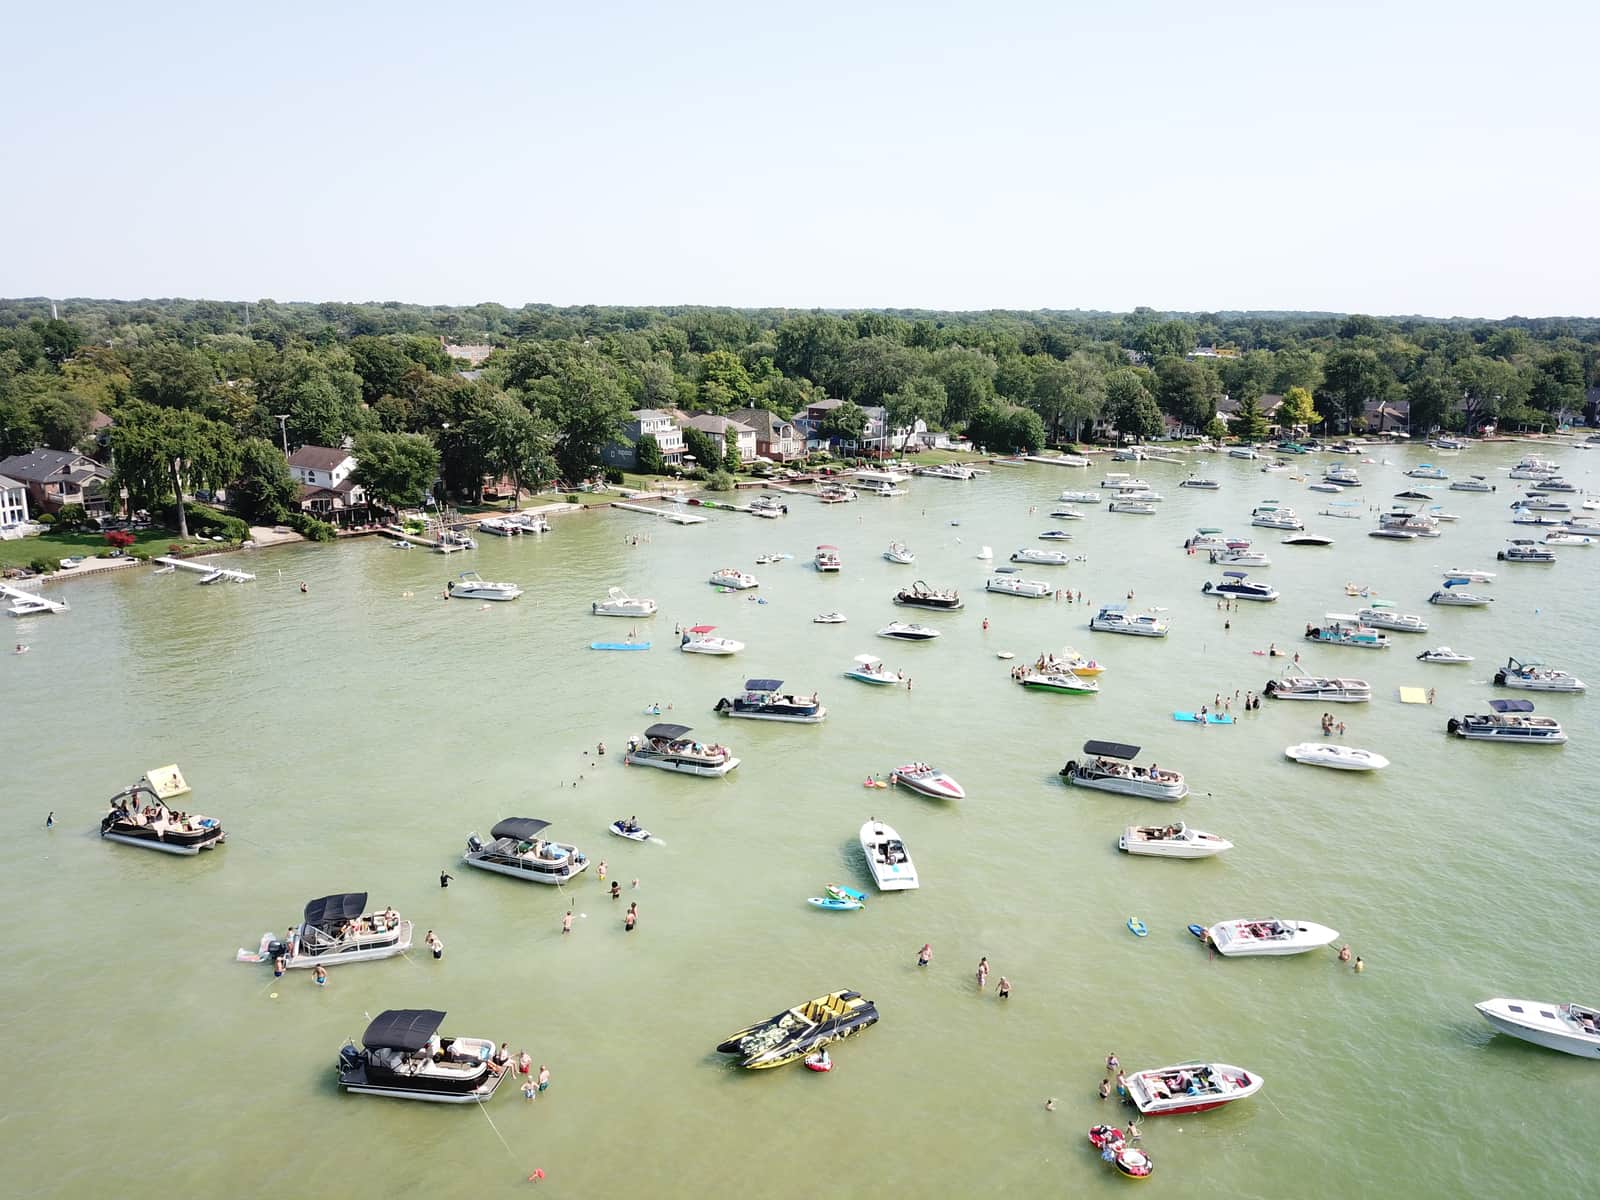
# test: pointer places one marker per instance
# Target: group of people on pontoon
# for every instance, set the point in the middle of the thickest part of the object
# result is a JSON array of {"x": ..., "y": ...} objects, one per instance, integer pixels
[
  {"x": 1108, "y": 766},
  {"x": 154, "y": 816},
  {"x": 379, "y": 922}
]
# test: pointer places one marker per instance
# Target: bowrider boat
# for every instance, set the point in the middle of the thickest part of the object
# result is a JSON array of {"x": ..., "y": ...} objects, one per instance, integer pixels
[
  {"x": 1536, "y": 677},
  {"x": 1211, "y": 539},
  {"x": 798, "y": 1031},
  {"x": 869, "y": 668},
  {"x": 1171, "y": 841},
  {"x": 1190, "y": 1087},
  {"x": 1569, "y": 1028},
  {"x": 1394, "y": 535},
  {"x": 472, "y": 586},
  {"x": 1292, "y": 685},
  {"x": 1447, "y": 595},
  {"x": 764, "y": 700},
  {"x": 1380, "y": 616},
  {"x": 1138, "y": 508},
  {"x": 1443, "y": 655},
  {"x": 1066, "y": 514},
  {"x": 1239, "y": 558},
  {"x": 141, "y": 815},
  {"x": 1115, "y": 618},
  {"x": 697, "y": 639},
  {"x": 516, "y": 849},
  {"x": 827, "y": 559},
  {"x": 1045, "y": 558},
  {"x": 891, "y": 867},
  {"x": 668, "y": 748},
  {"x": 1236, "y": 586},
  {"x": 403, "y": 1057},
  {"x": 337, "y": 929},
  {"x": 1509, "y": 721},
  {"x": 1526, "y": 551},
  {"x": 1055, "y": 535},
  {"x": 1339, "y": 758},
  {"x": 1063, "y": 682},
  {"x": 1476, "y": 484},
  {"x": 1111, "y": 770},
  {"x": 1008, "y": 581},
  {"x": 929, "y": 781},
  {"x": 829, "y": 618},
  {"x": 898, "y": 553},
  {"x": 619, "y": 604},
  {"x": 1069, "y": 660},
  {"x": 734, "y": 580},
  {"x": 920, "y": 595},
  {"x": 1264, "y": 937},
  {"x": 902, "y": 631},
  {"x": 1345, "y": 629}
]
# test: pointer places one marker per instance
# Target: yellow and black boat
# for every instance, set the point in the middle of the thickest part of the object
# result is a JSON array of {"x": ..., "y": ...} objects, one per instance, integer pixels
[{"x": 797, "y": 1031}]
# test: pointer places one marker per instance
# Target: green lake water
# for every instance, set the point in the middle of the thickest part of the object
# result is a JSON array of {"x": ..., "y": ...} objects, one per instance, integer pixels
[{"x": 351, "y": 737}]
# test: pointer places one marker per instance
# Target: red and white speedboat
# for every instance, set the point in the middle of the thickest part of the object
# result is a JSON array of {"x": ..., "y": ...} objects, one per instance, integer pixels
[
  {"x": 930, "y": 781},
  {"x": 1190, "y": 1088}
]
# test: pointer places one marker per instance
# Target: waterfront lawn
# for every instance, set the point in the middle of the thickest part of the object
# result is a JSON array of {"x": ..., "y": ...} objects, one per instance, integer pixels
[{"x": 23, "y": 551}]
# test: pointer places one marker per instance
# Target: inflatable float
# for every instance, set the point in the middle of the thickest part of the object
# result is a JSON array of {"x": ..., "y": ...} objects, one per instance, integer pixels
[
  {"x": 1137, "y": 927},
  {"x": 818, "y": 1061}
]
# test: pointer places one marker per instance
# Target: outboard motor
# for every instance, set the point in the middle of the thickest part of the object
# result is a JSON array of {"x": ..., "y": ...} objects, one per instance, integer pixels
[
  {"x": 349, "y": 1058},
  {"x": 275, "y": 948},
  {"x": 474, "y": 843}
]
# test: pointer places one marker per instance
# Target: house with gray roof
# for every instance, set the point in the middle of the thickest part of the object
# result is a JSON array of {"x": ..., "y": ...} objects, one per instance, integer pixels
[{"x": 53, "y": 478}]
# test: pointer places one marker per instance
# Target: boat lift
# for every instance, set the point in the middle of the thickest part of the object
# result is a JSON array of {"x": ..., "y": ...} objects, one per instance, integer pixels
[{"x": 27, "y": 604}]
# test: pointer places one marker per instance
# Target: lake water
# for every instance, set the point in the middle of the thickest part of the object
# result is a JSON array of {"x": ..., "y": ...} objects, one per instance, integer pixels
[{"x": 351, "y": 737}]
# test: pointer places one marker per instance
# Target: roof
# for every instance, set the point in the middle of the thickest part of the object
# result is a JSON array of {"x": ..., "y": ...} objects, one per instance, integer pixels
[
  {"x": 711, "y": 423},
  {"x": 332, "y": 910},
  {"x": 524, "y": 829},
  {"x": 1111, "y": 749},
  {"x": 650, "y": 414},
  {"x": 318, "y": 458},
  {"x": 6, "y": 482},
  {"x": 824, "y": 405},
  {"x": 666, "y": 731},
  {"x": 402, "y": 1029},
  {"x": 766, "y": 423},
  {"x": 44, "y": 465}
]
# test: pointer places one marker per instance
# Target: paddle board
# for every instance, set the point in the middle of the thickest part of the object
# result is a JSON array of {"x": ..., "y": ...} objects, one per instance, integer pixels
[
  {"x": 1211, "y": 718},
  {"x": 1413, "y": 695},
  {"x": 619, "y": 645},
  {"x": 833, "y": 902}
]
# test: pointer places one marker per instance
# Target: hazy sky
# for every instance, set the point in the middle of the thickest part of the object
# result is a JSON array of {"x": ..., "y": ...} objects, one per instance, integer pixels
[{"x": 1388, "y": 158}]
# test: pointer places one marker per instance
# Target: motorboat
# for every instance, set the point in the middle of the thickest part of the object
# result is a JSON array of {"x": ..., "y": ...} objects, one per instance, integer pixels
[
  {"x": 769, "y": 507},
  {"x": 891, "y": 867},
  {"x": 338, "y": 929},
  {"x": 1469, "y": 576},
  {"x": 1066, "y": 514},
  {"x": 619, "y": 604},
  {"x": 1536, "y": 677},
  {"x": 629, "y": 828},
  {"x": 452, "y": 540},
  {"x": 1342, "y": 477},
  {"x": 499, "y": 526},
  {"x": 883, "y": 474},
  {"x": 1522, "y": 516},
  {"x": 1243, "y": 452},
  {"x": 1404, "y": 520},
  {"x": 1064, "y": 682},
  {"x": 472, "y": 586},
  {"x": 835, "y": 493},
  {"x": 1337, "y": 757},
  {"x": 515, "y": 848},
  {"x": 829, "y": 618},
  {"x": 1393, "y": 535},
  {"x": 899, "y": 553},
  {"x": 1558, "y": 538},
  {"x": 908, "y": 632},
  {"x": 1201, "y": 485},
  {"x": 927, "y": 781},
  {"x": 1121, "y": 481},
  {"x": 529, "y": 522},
  {"x": 698, "y": 639},
  {"x": 1138, "y": 508},
  {"x": 1379, "y": 615},
  {"x": 1191, "y": 1087},
  {"x": 1476, "y": 483},
  {"x": 733, "y": 579},
  {"x": 827, "y": 559},
  {"x": 1272, "y": 515},
  {"x": 1276, "y": 467},
  {"x": 1444, "y": 656},
  {"x": 1426, "y": 471},
  {"x": 1292, "y": 685},
  {"x": 1236, "y": 585},
  {"x": 1343, "y": 448},
  {"x": 1569, "y": 1028},
  {"x": 1043, "y": 558},
  {"x": 1009, "y": 581},
  {"x": 1269, "y": 937},
  {"x": 1306, "y": 539},
  {"x": 1346, "y": 629},
  {"x": 1171, "y": 841},
  {"x": 669, "y": 748},
  {"x": 1240, "y": 558},
  {"x": 403, "y": 1056},
  {"x": 920, "y": 595},
  {"x": 1070, "y": 660},
  {"x": 1508, "y": 721},
  {"x": 1055, "y": 535},
  {"x": 796, "y": 1032},
  {"x": 869, "y": 668},
  {"x": 142, "y": 815},
  {"x": 1108, "y": 767},
  {"x": 765, "y": 700},
  {"x": 1071, "y": 497},
  {"x": 1447, "y": 595},
  {"x": 1538, "y": 503},
  {"x": 1115, "y": 618},
  {"x": 880, "y": 488},
  {"x": 1449, "y": 443},
  {"x": 1553, "y": 484},
  {"x": 1206, "y": 538},
  {"x": 1524, "y": 550},
  {"x": 947, "y": 471}
]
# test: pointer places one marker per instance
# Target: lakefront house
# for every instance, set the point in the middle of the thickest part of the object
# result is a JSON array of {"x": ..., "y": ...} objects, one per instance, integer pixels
[
  {"x": 13, "y": 504},
  {"x": 777, "y": 439},
  {"x": 326, "y": 490},
  {"x": 54, "y": 478},
  {"x": 624, "y": 451}
]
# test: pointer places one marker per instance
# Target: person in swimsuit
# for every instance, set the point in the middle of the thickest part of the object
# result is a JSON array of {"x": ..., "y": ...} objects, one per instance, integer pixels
[
  {"x": 321, "y": 975},
  {"x": 925, "y": 955}
]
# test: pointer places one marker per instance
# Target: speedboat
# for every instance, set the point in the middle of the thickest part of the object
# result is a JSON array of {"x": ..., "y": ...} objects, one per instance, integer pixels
[
  {"x": 1569, "y": 1028},
  {"x": 1426, "y": 471},
  {"x": 697, "y": 639},
  {"x": 1393, "y": 535},
  {"x": 1070, "y": 660},
  {"x": 471, "y": 586},
  {"x": 929, "y": 781},
  {"x": 764, "y": 700},
  {"x": 1203, "y": 485},
  {"x": 891, "y": 867},
  {"x": 1292, "y": 685},
  {"x": 1063, "y": 682},
  {"x": 1342, "y": 477},
  {"x": 1055, "y": 535},
  {"x": 869, "y": 668},
  {"x": 1508, "y": 721},
  {"x": 829, "y": 618},
  {"x": 1138, "y": 508},
  {"x": 1236, "y": 586},
  {"x": 1192, "y": 1087},
  {"x": 630, "y": 829},
  {"x": 1171, "y": 841},
  {"x": 668, "y": 748},
  {"x": 1306, "y": 539},
  {"x": 827, "y": 559},
  {"x": 908, "y": 632},
  {"x": 1115, "y": 618},
  {"x": 834, "y": 493},
  {"x": 1046, "y": 558},
  {"x": 403, "y": 1056},
  {"x": 1448, "y": 596},
  {"x": 142, "y": 815},
  {"x": 1240, "y": 558},
  {"x": 1345, "y": 629},
  {"x": 1243, "y": 452},
  {"x": 1536, "y": 677},
  {"x": 1476, "y": 484},
  {"x": 898, "y": 553},
  {"x": 1380, "y": 616},
  {"x": 1066, "y": 514},
  {"x": 1526, "y": 551},
  {"x": 1008, "y": 581},
  {"x": 1267, "y": 936},
  {"x": 499, "y": 526},
  {"x": 516, "y": 849},
  {"x": 733, "y": 579},
  {"x": 1272, "y": 515},
  {"x": 1469, "y": 576},
  {"x": 1443, "y": 655},
  {"x": 1070, "y": 497},
  {"x": 619, "y": 604},
  {"x": 1556, "y": 538},
  {"x": 338, "y": 929},
  {"x": 796, "y": 1032},
  {"x": 1111, "y": 769},
  {"x": 920, "y": 595},
  {"x": 1130, "y": 1161},
  {"x": 1339, "y": 758}
]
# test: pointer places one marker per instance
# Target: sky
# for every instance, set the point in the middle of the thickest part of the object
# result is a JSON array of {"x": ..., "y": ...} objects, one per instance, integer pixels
[{"x": 1403, "y": 157}]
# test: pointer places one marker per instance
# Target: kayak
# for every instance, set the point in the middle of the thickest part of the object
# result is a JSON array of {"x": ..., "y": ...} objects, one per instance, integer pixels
[
  {"x": 834, "y": 903},
  {"x": 1137, "y": 927},
  {"x": 619, "y": 645},
  {"x": 1209, "y": 719},
  {"x": 839, "y": 892}
]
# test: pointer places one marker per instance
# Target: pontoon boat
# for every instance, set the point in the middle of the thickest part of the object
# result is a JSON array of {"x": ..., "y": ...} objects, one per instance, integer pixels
[
  {"x": 516, "y": 849},
  {"x": 667, "y": 748},
  {"x": 403, "y": 1057},
  {"x": 1111, "y": 769},
  {"x": 764, "y": 700}
]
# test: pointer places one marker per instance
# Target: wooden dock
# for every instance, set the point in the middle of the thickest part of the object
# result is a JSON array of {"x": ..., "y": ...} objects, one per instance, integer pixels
[{"x": 666, "y": 514}]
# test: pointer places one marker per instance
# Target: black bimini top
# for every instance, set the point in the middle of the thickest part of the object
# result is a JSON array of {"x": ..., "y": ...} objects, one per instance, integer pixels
[
  {"x": 524, "y": 829},
  {"x": 670, "y": 732},
  {"x": 335, "y": 910},
  {"x": 408, "y": 1029},
  {"x": 762, "y": 685},
  {"x": 1505, "y": 706},
  {"x": 1111, "y": 749}
]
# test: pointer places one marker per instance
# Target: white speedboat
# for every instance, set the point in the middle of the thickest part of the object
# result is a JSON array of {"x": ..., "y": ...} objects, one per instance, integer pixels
[
  {"x": 733, "y": 579},
  {"x": 1524, "y": 550},
  {"x": 927, "y": 781},
  {"x": 1055, "y": 535},
  {"x": 1508, "y": 721},
  {"x": 1380, "y": 616},
  {"x": 698, "y": 639},
  {"x": 829, "y": 618},
  {"x": 1243, "y": 452},
  {"x": 1569, "y": 1028},
  {"x": 1339, "y": 758},
  {"x": 1066, "y": 514},
  {"x": 1007, "y": 581},
  {"x": 1536, "y": 677},
  {"x": 1268, "y": 936},
  {"x": 891, "y": 867},
  {"x": 947, "y": 471},
  {"x": 669, "y": 748},
  {"x": 1070, "y": 497},
  {"x": 827, "y": 559},
  {"x": 1115, "y": 618},
  {"x": 1567, "y": 539},
  {"x": 1236, "y": 586},
  {"x": 338, "y": 929},
  {"x": 1469, "y": 576},
  {"x": 1444, "y": 656},
  {"x": 403, "y": 1057},
  {"x": 1206, "y": 538},
  {"x": 1240, "y": 558},
  {"x": 1393, "y": 535},
  {"x": 516, "y": 848},
  {"x": 869, "y": 668},
  {"x": 1476, "y": 483},
  {"x": 765, "y": 700},
  {"x": 471, "y": 586},
  {"x": 899, "y": 553},
  {"x": 908, "y": 632},
  {"x": 1043, "y": 558},
  {"x": 1137, "y": 508},
  {"x": 1171, "y": 841},
  {"x": 1190, "y": 1088},
  {"x": 1062, "y": 682},
  {"x": 1108, "y": 767},
  {"x": 1448, "y": 596},
  {"x": 619, "y": 604},
  {"x": 1292, "y": 685}
]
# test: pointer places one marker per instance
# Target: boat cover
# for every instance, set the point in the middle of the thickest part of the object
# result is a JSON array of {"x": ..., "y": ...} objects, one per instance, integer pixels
[
  {"x": 670, "y": 732},
  {"x": 524, "y": 829},
  {"x": 329, "y": 911},
  {"x": 408, "y": 1029},
  {"x": 701, "y": 628},
  {"x": 762, "y": 685},
  {"x": 1111, "y": 750},
  {"x": 1505, "y": 706}
]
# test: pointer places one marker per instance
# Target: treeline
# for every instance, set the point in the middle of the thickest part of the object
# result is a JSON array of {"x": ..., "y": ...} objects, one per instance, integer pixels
[{"x": 196, "y": 388}]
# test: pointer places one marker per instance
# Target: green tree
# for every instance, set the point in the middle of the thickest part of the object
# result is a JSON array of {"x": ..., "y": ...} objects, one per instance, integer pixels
[
  {"x": 1557, "y": 384},
  {"x": 1248, "y": 425},
  {"x": 921, "y": 399},
  {"x": 724, "y": 382},
  {"x": 1353, "y": 379},
  {"x": 703, "y": 448},
  {"x": 264, "y": 492},
  {"x": 172, "y": 376},
  {"x": 59, "y": 339},
  {"x": 1186, "y": 390},
  {"x": 648, "y": 458},
  {"x": 1431, "y": 396},
  {"x": 732, "y": 460},
  {"x": 1165, "y": 339},
  {"x": 396, "y": 469},
  {"x": 1130, "y": 407},
  {"x": 578, "y": 393},
  {"x": 1068, "y": 394},
  {"x": 512, "y": 442},
  {"x": 968, "y": 379},
  {"x": 161, "y": 451},
  {"x": 1298, "y": 409},
  {"x": 846, "y": 423},
  {"x": 1006, "y": 428}
]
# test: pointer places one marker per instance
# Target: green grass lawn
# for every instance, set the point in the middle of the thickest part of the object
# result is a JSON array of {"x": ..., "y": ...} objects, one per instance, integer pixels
[{"x": 60, "y": 545}]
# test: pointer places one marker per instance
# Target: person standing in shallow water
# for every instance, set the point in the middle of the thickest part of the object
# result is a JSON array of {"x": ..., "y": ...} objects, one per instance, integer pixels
[
  {"x": 925, "y": 955},
  {"x": 983, "y": 972},
  {"x": 444, "y": 880}
]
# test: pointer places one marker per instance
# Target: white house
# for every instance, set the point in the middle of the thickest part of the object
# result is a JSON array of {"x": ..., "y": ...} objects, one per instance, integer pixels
[
  {"x": 13, "y": 503},
  {"x": 659, "y": 425},
  {"x": 716, "y": 428},
  {"x": 326, "y": 489}
]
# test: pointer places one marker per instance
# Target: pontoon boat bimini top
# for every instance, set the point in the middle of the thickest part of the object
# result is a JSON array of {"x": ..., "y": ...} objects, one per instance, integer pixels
[
  {"x": 407, "y": 1029},
  {"x": 328, "y": 913},
  {"x": 523, "y": 829},
  {"x": 669, "y": 733},
  {"x": 1111, "y": 750}
]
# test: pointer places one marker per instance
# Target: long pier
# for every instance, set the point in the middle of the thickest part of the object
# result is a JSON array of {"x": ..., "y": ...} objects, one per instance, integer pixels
[
  {"x": 25, "y": 603},
  {"x": 666, "y": 514},
  {"x": 202, "y": 567}
]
